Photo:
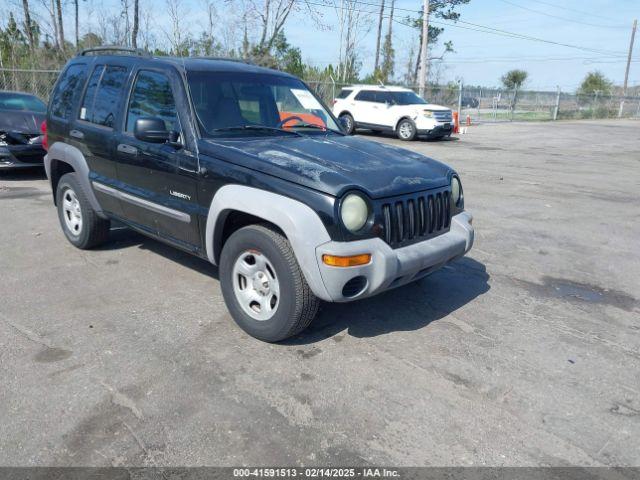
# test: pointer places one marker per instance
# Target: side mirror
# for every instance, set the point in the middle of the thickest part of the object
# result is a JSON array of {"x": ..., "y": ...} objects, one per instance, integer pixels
[{"x": 152, "y": 130}]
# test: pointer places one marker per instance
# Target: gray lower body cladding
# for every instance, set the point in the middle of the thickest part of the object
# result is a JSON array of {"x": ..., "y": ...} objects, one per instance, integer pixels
[{"x": 390, "y": 268}]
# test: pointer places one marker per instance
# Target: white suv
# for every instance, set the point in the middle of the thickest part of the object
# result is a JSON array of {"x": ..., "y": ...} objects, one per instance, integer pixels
[{"x": 392, "y": 109}]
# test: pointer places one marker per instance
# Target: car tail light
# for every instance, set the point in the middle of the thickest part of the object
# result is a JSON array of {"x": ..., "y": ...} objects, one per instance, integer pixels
[
  {"x": 45, "y": 139},
  {"x": 335, "y": 101}
]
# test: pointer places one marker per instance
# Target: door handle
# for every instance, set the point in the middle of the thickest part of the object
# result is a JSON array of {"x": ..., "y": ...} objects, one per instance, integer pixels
[
  {"x": 128, "y": 149},
  {"x": 76, "y": 134}
]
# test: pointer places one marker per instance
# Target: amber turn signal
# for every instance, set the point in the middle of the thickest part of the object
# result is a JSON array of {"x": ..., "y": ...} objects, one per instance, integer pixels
[{"x": 351, "y": 261}]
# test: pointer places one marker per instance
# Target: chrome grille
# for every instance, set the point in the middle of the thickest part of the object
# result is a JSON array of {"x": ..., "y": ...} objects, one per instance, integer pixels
[
  {"x": 442, "y": 115},
  {"x": 416, "y": 218}
]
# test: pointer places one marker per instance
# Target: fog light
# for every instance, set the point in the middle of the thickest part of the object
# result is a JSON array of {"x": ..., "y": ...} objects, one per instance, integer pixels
[{"x": 351, "y": 261}]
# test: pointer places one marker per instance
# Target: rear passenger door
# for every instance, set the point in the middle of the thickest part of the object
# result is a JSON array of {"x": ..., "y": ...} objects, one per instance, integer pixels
[
  {"x": 158, "y": 181},
  {"x": 93, "y": 131},
  {"x": 364, "y": 111}
]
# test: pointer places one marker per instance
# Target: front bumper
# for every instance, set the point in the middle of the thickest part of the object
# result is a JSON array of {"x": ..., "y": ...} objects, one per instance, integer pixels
[
  {"x": 391, "y": 268},
  {"x": 21, "y": 156},
  {"x": 437, "y": 131}
]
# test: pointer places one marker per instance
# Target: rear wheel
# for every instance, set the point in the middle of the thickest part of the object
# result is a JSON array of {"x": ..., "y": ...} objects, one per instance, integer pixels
[
  {"x": 348, "y": 122},
  {"x": 406, "y": 130},
  {"x": 80, "y": 223},
  {"x": 263, "y": 286}
]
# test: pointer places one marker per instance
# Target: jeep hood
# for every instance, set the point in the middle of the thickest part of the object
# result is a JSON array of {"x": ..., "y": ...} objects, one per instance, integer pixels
[
  {"x": 20, "y": 121},
  {"x": 333, "y": 164}
]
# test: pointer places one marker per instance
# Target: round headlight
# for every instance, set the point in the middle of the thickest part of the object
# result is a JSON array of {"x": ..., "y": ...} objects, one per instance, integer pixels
[
  {"x": 354, "y": 212},
  {"x": 456, "y": 190}
]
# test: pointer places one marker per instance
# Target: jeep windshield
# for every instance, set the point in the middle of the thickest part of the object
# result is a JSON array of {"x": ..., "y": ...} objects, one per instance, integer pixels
[{"x": 235, "y": 104}]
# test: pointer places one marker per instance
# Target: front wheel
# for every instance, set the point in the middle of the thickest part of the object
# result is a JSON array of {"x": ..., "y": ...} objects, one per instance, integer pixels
[
  {"x": 348, "y": 123},
  {"x": 263, "y": 285},
  {"x": 406, "y": 130}
]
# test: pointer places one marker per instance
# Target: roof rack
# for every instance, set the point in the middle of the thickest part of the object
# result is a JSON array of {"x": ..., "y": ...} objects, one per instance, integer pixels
[
  {"x": 229, "y": 59},
  {"x": 114, "y": 48}
]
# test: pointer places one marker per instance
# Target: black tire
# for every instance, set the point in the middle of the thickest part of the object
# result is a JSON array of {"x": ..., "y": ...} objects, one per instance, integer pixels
[
  {"x": 297, "y": 305},
  {"x": 350, "y": 126},
  {"x": 406, "y": 125},
  {"x": 93, "y": 230}
]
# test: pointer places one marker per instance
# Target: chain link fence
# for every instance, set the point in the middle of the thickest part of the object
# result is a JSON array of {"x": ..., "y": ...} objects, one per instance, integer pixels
[
  {"x": 495, "y": 105},
  {"x": 37, "y": 82},
  {"x": 480, "y": 104}
]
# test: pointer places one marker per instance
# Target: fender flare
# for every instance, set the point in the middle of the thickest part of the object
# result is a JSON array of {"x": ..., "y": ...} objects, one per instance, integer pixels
[
  {"x": 301, "y": 225},
  {"x": 73, "y": 156}
]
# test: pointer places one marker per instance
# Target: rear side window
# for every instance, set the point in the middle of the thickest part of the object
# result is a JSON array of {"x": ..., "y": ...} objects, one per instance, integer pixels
[
  {"x": 344, "y": 93},
  {"x": 102, "y": 95},
  {"x": 67, "y": 90},
  {"x": 152, "y": 97},
  {"x": 366, "y": 96}
]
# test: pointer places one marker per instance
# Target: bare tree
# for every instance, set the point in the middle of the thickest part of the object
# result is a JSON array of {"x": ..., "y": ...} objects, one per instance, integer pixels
[
  {"x": 126, "y": 34},
  {"x": 271, "y": 16},
  {"x": 145, "y": 27},
  {"x": 60, "y": 25},
  {"x": 136, "y": 16},
  {"x": 380, "y": 17},
  {"x": 27, "y": 25},
  {"x": 176, "y": 36},
  {"x": 353, "y": 23},
  {"x": 49, "y": 6}
]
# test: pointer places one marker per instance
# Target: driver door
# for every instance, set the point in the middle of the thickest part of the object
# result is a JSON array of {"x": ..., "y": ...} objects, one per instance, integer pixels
[{"x": 159, "y": 180}]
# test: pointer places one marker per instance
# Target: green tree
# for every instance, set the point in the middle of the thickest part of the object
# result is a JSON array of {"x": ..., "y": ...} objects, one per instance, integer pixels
[
  {"x": 90, "y": 40},
  {"x": 513, "y": 80},
  {"x": 595, "y": 82}
]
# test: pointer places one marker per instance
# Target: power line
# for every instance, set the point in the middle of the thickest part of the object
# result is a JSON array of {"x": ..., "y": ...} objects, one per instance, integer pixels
[
  {"x": 582, "y": 12},
  {"x": 559, "y": 17},
  {"x": 473, "y": 27}
]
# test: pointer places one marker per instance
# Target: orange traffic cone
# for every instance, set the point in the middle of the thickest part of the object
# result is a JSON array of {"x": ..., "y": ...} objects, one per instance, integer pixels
[
  {"x": 456, "y": 122},
  {"x": 468, "y": 120}
]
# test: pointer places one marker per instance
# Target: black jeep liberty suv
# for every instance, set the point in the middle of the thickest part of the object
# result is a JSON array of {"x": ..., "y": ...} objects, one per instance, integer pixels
[{"x": 246, "y": 167}]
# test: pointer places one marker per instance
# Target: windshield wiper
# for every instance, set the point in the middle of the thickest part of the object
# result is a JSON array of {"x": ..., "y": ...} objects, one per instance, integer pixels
[
  {"x": 317, "y": 127},
  {"x": 255, "y": 127}
]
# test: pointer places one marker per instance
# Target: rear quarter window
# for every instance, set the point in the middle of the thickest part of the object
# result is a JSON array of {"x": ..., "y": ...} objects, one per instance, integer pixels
[
  {"x": 67, "y": 91},
  {"x": 344, "y": 93},
  {"x": 366, "y": 96}
]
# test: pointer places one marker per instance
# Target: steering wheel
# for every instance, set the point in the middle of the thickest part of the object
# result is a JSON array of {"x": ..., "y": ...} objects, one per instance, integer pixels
[{"x": 288, "y": 119}]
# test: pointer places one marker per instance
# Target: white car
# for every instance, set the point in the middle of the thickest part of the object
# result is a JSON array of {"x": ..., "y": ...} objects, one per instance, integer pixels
[{"x": 391, "y": 109}]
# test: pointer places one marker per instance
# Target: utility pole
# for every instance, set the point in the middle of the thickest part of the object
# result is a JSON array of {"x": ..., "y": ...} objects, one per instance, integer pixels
[
  {"x": 377, "y": 64},
  {"x": 626, "y": 73},
  {"x": 557, "y": 107},
  {"x": 423, "y": 48}
]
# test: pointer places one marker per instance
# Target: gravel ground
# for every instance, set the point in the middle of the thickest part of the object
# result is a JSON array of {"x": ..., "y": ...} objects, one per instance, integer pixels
[{"x": 526, "y": 352}]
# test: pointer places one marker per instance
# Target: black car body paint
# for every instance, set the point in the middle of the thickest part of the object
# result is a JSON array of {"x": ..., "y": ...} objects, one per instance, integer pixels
[
  {"x": 20, "y": 137},
  {"x": 316, "y": 168}
]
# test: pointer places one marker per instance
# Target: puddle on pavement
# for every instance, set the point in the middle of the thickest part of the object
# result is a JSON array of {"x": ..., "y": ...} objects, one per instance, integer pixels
[{"x": 581, "y": 292}]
